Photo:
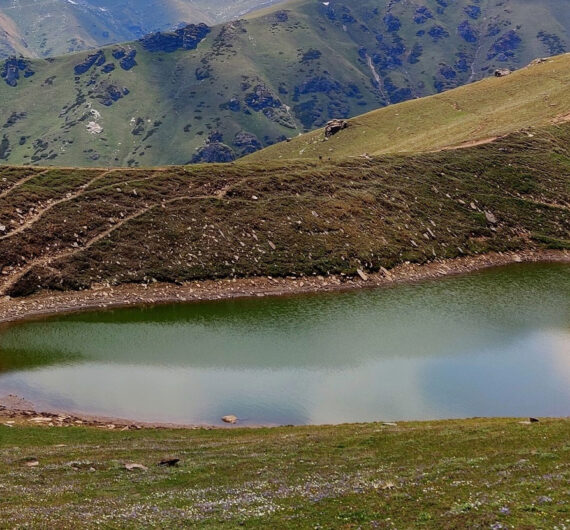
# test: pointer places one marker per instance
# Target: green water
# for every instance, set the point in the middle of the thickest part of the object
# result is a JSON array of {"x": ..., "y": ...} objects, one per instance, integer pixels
[{"x": 494, "y": 343}]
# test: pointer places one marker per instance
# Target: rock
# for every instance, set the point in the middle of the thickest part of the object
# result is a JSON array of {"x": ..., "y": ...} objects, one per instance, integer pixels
[
  {"x": 214, "y": 152},
  {"x": 534, "y": 420},
  {"x": 490, "y": 218},
  {"x": 186, "y": 38},
  {"x": 362, "y": 274},
  {"x": 271, "y": 244},
  {"x": 170, "y": 462},
  {"x": 31, "y": 462},
  {"x": 230, "y": 419},
  {"x": 97, "y": 58},
  {"x": 335, "y": 126},
  {"x": 502, "y": 72},
  {"x": 135, "y": 467},
  {"x": 390, "y": 424}
]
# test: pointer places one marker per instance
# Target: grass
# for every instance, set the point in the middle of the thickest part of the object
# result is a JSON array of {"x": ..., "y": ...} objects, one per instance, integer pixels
[
  {"x": 481, "y": 473},
  {"x": 72, "y": 229}
]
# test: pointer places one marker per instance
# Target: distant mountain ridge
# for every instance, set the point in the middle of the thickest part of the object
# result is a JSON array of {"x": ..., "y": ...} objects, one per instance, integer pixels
[
  {"x": 46, "y": 29},
  {"x": 215, "y": 93}
]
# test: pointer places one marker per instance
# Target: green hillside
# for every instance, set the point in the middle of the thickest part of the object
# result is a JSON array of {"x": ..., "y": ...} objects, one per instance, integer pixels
[
  {"x": 47, "y": 29},
  {"x": 479, "y": 112},
  {"x": 73, "y": 229},
  {"x": 214, "y": 94}
]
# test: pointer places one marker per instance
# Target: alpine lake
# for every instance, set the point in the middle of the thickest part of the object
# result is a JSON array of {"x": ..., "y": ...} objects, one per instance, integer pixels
[{"x": 491, "y": 343}]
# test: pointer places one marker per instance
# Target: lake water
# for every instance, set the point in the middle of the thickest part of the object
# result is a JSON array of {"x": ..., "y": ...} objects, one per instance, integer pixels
[{"x": 493, "y": 343}]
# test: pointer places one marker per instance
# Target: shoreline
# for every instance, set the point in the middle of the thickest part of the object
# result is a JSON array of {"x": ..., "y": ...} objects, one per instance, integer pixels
[{"x": 50, "y": 303}]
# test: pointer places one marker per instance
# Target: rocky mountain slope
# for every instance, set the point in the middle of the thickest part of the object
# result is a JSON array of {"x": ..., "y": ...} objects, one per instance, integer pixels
[
  {"x": 35, "y": 28},
  {"x": 216, "y": 93},
  {"x": 69, "y": 229}
]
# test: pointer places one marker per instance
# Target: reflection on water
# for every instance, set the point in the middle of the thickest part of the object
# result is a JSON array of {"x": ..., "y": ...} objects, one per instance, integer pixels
[{"x": 494, "y": 343}]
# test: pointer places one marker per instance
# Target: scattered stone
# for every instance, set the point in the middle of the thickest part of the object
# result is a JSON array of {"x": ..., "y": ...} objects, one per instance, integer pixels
[
  {"x": 170, "y": 462},
  {"x": 135, "y": 467},
  {"x": 335, "y": 126},
  {"x": 362, "y": 274},
  {"x": 490, "y": 218},
  {"x": 230, "y": 419}
]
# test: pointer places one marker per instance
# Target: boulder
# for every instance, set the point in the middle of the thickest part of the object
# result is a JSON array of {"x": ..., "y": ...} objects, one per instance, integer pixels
[
  {"x": 230, "y": 418},
  {"x": 335, "y": 126},
  {"x": 502, "y": 72}
]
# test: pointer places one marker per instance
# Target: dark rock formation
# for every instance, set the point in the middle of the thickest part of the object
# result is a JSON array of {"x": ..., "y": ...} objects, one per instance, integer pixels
[
  {"x": 107, "y": 93},
  {"x": 262, "y": 98},
  {"x": 335, "y": 126},
  {"x": 128, "y": 61},
  {"x": 186, "y": 38},
  {"x": 97, "y": 59},
  {"x": 11, "y": 69},
  {"x": 502, "y": 72},
  {"x": 247, "y": 142},
  {"x": 214, "y": 152}
]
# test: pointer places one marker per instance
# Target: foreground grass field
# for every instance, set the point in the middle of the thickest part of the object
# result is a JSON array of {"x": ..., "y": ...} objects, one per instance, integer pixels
[{"x": 495, "y": 473}]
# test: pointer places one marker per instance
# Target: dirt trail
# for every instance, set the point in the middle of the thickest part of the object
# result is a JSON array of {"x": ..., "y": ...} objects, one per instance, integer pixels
[
  {"x": 470, "y": 143},
  {"x": 69, "y": 197},
  {"x": 21, "y": 182},
  {"x": 45, "y": 261}
]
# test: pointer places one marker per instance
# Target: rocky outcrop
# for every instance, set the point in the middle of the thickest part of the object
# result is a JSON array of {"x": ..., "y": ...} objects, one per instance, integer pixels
[
  {"x": 92, "y": 59},
  {"x": 335, "y": 126},
  {"x": 502, "y": 72},
  {"x": 12, "y": 68},
  {"x": 247, "y": 142},
  {"x": 107, "y": 93},
  {"x": 262, "y": 98},
  {"x": 186, "y": 38},
  {"x": 128, "y": 61},
  {"x": 214, "y": 151}
]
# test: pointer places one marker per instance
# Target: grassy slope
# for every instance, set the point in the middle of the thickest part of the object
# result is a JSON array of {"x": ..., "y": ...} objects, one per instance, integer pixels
[
  {"x": 179, "y": 111},
  {"x": 530, "y": 97},
  {"x": 68, "y": 228},
  {"x": 455, "y": 474}
]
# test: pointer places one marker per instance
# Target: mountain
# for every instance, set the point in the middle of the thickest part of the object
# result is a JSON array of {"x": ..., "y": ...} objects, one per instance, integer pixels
[
  {"x": 35, "y": 28},
  {"x": 63, "y": 228},
  {"x": 216, "y": 93}
]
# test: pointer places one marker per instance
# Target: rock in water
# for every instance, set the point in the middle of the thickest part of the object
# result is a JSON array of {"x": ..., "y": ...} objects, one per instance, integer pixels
[{"x": 230, "y": 419}]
